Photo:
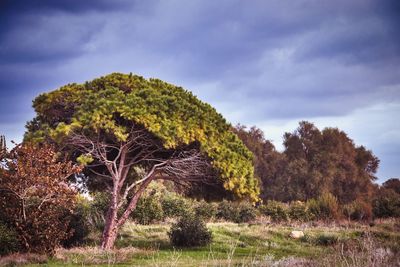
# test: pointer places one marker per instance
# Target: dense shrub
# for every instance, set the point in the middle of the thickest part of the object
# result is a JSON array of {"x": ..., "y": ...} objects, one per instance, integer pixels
[
  {"x": 227, "y": 210},
  {"x": 358, "y": 210},
  {"x": 148, "y": 210},
  {"x": 246, "y": 213},
  {"x": 325, "y": 207},
  {"x": 278, "y": 211},
  {"x": 189, "y": 231},
  {"x": 386, "y": 204},
  {"x": 97, "y": 210},
  {"x": 174, "y": 205},
  {"x": 299, "y": 211},
  {"x": 79, "y": 224},
  {"x": 35, "y": 197},
  {"x": 205, "y": 210},
  {"x": 8, "y": 240},
  {"x": 326, "y": 240},
  {"x": 100, "y": 201}
]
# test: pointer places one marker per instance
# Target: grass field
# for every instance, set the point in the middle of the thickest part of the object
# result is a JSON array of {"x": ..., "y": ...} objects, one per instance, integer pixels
[{"x": 247, "y": 245}]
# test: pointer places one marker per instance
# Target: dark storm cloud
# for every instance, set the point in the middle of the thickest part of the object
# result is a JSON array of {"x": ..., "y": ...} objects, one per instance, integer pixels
[
  {"x": 256, "y": 61},
  {"x": 12, "y": 7},
  {"x": 42, "y": 30}
]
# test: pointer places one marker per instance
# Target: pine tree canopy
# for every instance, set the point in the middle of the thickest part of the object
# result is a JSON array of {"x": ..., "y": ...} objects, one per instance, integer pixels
[{"x": 174, "y": 117}]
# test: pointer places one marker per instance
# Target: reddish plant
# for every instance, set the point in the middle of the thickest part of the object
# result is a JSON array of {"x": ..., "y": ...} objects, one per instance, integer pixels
[{"x": 35, "y": 196}]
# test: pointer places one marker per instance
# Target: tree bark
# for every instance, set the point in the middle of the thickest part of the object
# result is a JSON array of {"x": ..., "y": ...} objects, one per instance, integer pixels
[
  {"x": 111, "y": 224},
  {"x": 109, "y": 236}
]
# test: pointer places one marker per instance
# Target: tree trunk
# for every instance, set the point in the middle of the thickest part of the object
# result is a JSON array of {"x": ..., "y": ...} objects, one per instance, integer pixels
[
  {"x": 109, "y": 237},
  {"x": 111, "y": 225}
]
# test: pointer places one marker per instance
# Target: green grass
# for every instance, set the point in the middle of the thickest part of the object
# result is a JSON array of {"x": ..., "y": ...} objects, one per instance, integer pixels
[{"x": 233, "y": 245}]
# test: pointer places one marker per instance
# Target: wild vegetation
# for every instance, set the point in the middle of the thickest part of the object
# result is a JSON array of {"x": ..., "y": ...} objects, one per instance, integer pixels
[{"x": 128, "y": 171}]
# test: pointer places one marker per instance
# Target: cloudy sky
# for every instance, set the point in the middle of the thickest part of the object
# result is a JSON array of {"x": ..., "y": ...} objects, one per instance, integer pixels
[{"x": 266, "y": 63}]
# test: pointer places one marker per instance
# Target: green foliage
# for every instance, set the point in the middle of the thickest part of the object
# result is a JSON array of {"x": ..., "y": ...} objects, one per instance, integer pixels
[
  {"x": 393, "y": 184},
  {"x": 205, "y": 210},
  {"x": 324, "y": 207},
  {"x": 326, "y": 240},
  {"x": 84, "y": 159},
  {"x": 267, "y": 161},
  {"x": 247, "y": 212},
  {"x": 278, "y": 211},
  {"x": 358, "y": 210},
  {"x": 148, "y": 210},
  {"x": 227, "y": 210},
  {"x": 173, "y": 116},
  {"x": 299, "y": 211},
  {"x": 80, "y": 224},
  {"x": 174, "y": 205},
  {"x": 386, "y": 203},
  {"x": 8, "y": 240},
  {"x": 189, "y": 231},
  {"x": 238, "y": 212}
]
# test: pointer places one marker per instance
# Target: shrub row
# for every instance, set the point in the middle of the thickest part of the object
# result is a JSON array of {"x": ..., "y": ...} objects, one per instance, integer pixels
[
  {"x": 153, "y": 209},
  {"x": 325, "y": 207}
]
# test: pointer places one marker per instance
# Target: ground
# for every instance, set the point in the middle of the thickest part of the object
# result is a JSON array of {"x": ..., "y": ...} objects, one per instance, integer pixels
[{"x": 261, "y": 244}]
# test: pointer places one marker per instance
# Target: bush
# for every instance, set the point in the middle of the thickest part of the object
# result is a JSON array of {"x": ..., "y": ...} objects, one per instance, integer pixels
[
  {"x": 278, "y": 211},
  {"x": 97, "y": 210},
  {"x": 174, "y": 205},
  {"x": 386, "y": 204},
  {"x": 299, "y": 211},
  {"x": 206, "y": 211},
  {"x": 359, "y": 210},
  {"x": 148, "y": 210},
  {"x": 8, "y": 240},
  {"x": 79, "y": 224},
  {"x": 246, "y": 213},
  {"x": 189, "y": 231},
  {"x": 36, "y": 199},
  {"x": 326, "y": 240},
  {"x": 325, "y": 207},
  {"x": 227, "y": 210}
]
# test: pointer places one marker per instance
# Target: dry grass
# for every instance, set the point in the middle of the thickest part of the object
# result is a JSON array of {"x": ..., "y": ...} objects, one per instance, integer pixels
[
  {"x": 95, "y": 255},
  {"x": 22, "y": 259},
  {"x": 364, "y": 252}
]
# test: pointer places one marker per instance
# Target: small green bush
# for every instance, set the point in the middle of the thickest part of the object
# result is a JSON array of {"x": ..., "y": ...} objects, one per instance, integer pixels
[
  {"x": 174, "y": 205},
  {"x": 278, "y": 211},
  {"x": 228, "y": 211},
  {"x": 247, "y": 212},
  {"x": 298, "y": 211},
  {"x": 148, "y": 210},
  {"x": 189, "y": 231},
  {"x": 204, "y": 210},
  {"x": 325, "y": 207},
  {"x": 326, "y": 240},
  {"x": 8, "y": 240},
  {"x": 306, "y": 238}
]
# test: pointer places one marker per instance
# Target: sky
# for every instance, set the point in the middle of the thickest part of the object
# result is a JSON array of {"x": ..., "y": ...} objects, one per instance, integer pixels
[{"x": 259, "y": 62}]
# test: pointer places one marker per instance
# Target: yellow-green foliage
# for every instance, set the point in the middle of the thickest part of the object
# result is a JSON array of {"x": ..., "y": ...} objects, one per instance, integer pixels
[{"x": 172, "y": 114}]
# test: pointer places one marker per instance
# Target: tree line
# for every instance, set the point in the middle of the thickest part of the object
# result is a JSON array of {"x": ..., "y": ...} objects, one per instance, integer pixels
[{"x": 315, "y": 163}]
